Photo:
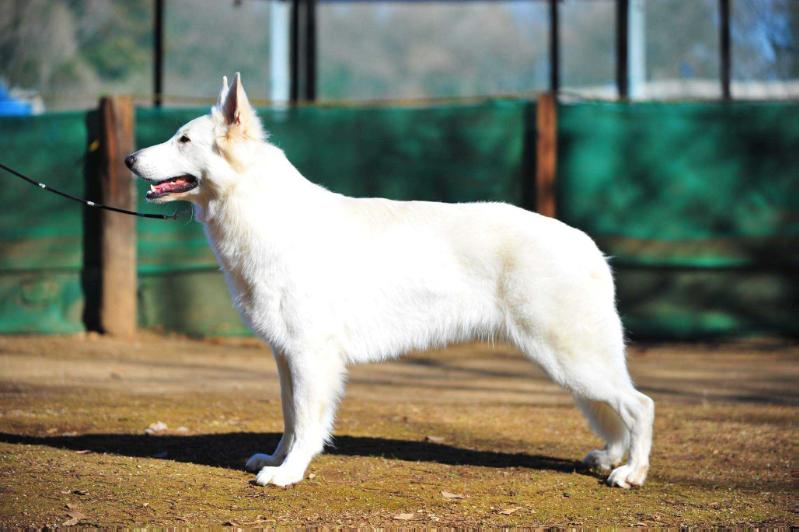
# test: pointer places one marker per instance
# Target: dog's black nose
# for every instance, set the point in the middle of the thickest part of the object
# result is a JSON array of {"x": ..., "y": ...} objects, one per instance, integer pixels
[{"x": 130, "y": 160}]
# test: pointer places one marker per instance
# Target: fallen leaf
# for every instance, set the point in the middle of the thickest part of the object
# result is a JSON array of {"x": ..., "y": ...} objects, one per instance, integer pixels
[
  {"x": 434, "y": 439},
  {"x": 451, "y": 496},
  {"x": 404, "y": 517},
  {"x": 509, "y": 511}
]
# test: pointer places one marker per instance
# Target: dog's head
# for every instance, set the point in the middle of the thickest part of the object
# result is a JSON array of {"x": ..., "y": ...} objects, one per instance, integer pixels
[{"x": 205, "y": 156}]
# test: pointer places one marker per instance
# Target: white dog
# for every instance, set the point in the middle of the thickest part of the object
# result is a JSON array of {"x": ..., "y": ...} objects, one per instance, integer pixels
[{"x": 327, "y": 281}]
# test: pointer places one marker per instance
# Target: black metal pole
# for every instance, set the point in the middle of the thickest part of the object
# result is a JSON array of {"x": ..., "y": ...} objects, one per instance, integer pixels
[
  {"x": 724, "y": 48},
  {"x": 554, "y": 47},
  {"x": 294, "y": 52},
  {"x": 158, "y": 52},
  {"x": 622, "y": 48},
  {"x": 310, "y": 50}
]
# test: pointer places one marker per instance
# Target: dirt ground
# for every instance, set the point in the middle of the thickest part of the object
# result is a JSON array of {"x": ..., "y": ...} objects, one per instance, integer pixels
[{"x": 468, "y": 436}]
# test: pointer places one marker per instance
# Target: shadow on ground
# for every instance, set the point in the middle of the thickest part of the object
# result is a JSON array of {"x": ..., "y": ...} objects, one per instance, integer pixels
[{"x": 231, "y": 449}]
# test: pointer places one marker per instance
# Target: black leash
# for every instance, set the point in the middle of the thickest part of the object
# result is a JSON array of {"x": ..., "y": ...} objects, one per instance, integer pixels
[{"x": 87, "y": 202}]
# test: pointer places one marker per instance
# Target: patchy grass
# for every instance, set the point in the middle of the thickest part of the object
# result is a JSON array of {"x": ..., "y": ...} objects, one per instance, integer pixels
[{"x": 471, "y": 435}]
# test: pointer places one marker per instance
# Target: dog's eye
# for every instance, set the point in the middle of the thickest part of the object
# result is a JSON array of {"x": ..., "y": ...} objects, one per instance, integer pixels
[{"x": 184, "y": 139}]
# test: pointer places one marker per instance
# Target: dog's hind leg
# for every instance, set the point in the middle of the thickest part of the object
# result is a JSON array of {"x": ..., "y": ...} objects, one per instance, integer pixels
[
  {"x": 317, "y": 384},
  {"x": 618, "y": 412},
  {"x": 590, "y": 363},
  {"x": 260, "y": 460}
]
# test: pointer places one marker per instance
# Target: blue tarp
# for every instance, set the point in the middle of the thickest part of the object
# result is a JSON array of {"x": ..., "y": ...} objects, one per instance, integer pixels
[{"x": 10, "y": 106}]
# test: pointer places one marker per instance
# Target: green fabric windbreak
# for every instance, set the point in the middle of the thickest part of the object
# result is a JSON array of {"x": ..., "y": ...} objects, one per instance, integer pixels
[
  {"x": 456, "y": 153},
  {"x": 41, "y": 234},
  {"x": 696, "y": 203},
  {"x": 692, "y": 184}
]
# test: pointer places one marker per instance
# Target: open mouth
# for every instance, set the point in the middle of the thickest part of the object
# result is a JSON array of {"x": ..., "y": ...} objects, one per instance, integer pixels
[{"x": 173, "y": 185}]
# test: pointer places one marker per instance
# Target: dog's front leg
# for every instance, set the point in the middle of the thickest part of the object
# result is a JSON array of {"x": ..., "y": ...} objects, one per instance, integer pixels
[
  {"x": 317, "y": 381},
  {"x": 260, "y": 460}
]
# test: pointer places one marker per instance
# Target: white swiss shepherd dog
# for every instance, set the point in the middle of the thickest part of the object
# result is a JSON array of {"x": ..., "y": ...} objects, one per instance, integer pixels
[{"x": 328, "y": 281}]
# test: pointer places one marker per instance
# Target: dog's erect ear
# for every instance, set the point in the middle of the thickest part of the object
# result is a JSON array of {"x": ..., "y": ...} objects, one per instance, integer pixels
[
  {"x": 236, "y": 111},
  {"x": 223, "y": 93},
  {"x": 239, "y": 115},
  {"x": 236, "y": 103}
]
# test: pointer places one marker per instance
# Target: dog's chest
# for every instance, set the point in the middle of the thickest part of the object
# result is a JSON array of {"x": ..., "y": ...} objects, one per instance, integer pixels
[{"x": 255, "y": 277}]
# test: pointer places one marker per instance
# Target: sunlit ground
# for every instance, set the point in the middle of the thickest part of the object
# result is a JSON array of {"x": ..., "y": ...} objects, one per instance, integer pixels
[{"x": 472, "y": 435}]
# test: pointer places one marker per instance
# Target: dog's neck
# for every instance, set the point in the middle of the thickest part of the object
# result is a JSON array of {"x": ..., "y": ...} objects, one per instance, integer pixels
[
  {"x": 267, "y": 209},
  {"x": 270, "y": 185}
]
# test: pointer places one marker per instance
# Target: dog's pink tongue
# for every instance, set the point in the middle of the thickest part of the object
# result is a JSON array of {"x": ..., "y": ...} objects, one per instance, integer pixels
[{"x": 178, "y": 183}]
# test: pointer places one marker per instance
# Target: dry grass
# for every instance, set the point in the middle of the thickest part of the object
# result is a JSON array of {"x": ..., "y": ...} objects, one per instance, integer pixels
[{"x": 473, "y": 421}]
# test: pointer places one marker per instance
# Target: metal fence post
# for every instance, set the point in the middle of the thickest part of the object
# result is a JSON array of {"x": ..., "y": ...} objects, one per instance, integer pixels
[
  {"x": 158, "y": 52},
  {"x": 622, "y": 48},
  {"x": 554, "y": 47},
  {"x": 724, "y": 48}
]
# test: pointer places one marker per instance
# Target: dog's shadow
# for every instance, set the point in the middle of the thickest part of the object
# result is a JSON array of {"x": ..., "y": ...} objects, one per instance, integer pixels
[{"x": 231, "y": 449}]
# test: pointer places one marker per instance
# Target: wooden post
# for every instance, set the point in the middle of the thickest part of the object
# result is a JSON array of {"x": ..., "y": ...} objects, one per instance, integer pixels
[
  {"x": 117, "y": 231},
  {"x": 546, "y": 154}
]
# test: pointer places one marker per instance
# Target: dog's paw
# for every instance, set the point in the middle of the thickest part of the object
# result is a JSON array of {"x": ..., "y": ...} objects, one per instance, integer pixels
[
  {"x": 600, "y": 459},
  {"x": 627, "y": 476},
  {"x": 259, "y": 460},
  {"x": 279, "y": 476}
]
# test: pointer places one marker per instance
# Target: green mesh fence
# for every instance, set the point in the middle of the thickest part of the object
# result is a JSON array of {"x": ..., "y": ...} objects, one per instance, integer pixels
[
  {"x": 41, "y": 235},
  {"x": 698, "y": 203}
]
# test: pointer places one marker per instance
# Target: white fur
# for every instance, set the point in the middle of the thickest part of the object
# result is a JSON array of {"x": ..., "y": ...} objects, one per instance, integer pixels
[{"x": 327, "y": 281}]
